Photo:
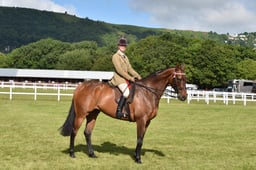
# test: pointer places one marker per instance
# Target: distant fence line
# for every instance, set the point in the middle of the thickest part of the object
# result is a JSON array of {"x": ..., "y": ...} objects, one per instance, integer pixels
[
  {"x": 66, "y": 89},
  {"x": 58, "y": 89},
  {"x": 225, "y": 97}
]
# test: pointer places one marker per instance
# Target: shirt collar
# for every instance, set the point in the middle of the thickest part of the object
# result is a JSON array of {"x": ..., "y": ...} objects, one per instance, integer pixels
[{"x": 121, "y": 53}]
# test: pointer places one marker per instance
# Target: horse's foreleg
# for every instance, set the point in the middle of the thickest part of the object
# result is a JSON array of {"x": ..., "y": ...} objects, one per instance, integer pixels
[
  {"x": 141, "y": 130},
  {"x": 91, "y": 120},
  {"x": 137, "y": 155}
]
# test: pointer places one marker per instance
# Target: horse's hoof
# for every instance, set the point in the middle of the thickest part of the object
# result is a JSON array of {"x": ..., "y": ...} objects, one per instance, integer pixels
[
  {"x": 138, "y": 161},
  {"x": 92, "y": 155},
  {"x": 72, "y": 155}
]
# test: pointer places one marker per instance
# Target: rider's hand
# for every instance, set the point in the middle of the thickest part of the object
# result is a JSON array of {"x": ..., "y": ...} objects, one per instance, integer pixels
[{"x": 132, "y": 79}]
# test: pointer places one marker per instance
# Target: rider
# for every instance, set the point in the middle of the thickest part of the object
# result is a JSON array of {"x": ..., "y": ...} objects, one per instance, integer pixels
[{"x": 123, "y": 74}]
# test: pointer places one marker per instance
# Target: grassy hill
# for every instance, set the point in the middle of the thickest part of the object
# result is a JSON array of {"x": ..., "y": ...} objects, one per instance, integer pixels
[{"x": 20, "y": 26}]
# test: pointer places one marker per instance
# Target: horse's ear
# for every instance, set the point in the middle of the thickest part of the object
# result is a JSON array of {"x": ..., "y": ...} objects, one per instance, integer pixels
[
  {"x": 183, "y": 67},
  {"x": 180, "y": 66},
  {"x": 177, "y": 66}
]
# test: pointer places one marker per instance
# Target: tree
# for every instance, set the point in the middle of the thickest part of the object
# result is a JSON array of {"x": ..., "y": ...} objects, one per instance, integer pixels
[
  {"x": 80, "y": 59},
  {"x": 157, "y": 52},
  {"x": 3, "y": 61},
  {"x": 42, "y": 54},
  {"x": 103, "y": 59},
  {"x": 208, "y": 63},
  {"x": 213, "y": 64},
  {"x": 81, "y": 56},
  {"x": 246, "y": 69}
]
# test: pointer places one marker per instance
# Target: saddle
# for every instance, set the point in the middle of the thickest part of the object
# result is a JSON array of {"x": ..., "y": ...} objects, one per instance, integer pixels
[{"x": 129, "y": 100}]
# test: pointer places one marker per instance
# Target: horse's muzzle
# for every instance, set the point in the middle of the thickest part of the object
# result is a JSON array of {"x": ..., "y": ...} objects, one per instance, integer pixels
[{"x": 182, "y": 97}]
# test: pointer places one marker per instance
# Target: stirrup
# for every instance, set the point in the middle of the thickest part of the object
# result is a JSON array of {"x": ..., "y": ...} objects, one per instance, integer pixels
[{"x": 122, "y": 115}]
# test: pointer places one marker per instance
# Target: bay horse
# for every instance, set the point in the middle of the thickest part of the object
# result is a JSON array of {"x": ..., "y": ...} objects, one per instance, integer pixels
[{"x": 93, "y": 96}]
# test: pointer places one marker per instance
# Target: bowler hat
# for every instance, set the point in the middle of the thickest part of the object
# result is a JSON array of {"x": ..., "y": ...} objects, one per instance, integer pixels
[{"x": 122, "y": 42}]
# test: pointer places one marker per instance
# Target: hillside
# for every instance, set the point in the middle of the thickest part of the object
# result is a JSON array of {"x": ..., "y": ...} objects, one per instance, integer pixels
[{"x": 21, "y": 26}]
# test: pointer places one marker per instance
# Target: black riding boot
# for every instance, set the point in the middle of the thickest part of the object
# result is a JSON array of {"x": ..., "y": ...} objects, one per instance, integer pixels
[{"x": 120, "y": 106}]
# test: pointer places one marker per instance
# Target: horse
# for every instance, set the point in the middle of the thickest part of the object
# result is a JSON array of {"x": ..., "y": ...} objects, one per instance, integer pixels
[{"x": 93, "y": 96}]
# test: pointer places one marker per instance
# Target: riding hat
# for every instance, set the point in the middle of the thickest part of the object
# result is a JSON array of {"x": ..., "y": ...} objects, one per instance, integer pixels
[{"x": 122, "y": 42}]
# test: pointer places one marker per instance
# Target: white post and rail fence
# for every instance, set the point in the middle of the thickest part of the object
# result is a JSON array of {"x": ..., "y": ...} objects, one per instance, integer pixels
[{"x": 65, "y": 89}]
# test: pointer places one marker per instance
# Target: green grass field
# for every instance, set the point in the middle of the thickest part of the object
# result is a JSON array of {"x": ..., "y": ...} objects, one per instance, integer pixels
[{"x": 182, "y": 136}]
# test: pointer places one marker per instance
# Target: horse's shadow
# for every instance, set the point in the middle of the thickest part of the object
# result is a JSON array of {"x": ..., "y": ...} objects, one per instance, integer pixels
[{"x": 113, "y": 149}]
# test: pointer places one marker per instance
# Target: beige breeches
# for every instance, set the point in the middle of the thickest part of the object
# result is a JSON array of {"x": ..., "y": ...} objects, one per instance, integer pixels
[{"x": 124, "y": 89}]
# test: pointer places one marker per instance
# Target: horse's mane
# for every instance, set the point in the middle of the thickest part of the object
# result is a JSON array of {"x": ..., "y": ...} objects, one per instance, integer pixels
[{"x": 155, "y": 73}]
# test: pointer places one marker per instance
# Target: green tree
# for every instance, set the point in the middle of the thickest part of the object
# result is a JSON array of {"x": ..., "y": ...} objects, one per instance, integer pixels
[
  {"x": 81, "y": 56},
  {"x": 39, "y": 55},
  {"x": 246, "y": 69},
  {"x": 103, "y": 60},
  {"x": 157, "y": 52},
  {"x": 208, "y": 63},
  {"x": 80, "y": 59},
  {"x": 213, "y": 64},
  {"x": 3, "y": 61}
]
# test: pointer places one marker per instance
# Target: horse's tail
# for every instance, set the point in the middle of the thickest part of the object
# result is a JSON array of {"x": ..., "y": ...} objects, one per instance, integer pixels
[{"x": 67, "y": 127}]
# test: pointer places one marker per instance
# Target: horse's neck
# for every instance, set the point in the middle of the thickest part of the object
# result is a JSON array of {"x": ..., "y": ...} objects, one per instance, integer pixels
[{"x": 158, "y": 82}]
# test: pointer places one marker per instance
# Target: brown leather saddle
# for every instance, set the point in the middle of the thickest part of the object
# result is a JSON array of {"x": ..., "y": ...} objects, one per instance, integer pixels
[{"x": 129, "y": 100}]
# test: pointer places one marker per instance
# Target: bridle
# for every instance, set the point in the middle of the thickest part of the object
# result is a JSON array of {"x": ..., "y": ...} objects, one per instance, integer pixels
[
  {"x": 152, "y": 90},
  {"x": 165, "y": 91},
  {"x": 177, "y": 80}
]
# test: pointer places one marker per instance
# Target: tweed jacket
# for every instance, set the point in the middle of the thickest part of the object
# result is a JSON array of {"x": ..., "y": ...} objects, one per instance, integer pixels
[{"x": 123, "y": 69}]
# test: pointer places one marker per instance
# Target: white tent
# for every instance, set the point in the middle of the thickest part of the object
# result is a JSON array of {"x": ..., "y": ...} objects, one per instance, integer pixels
[{"x": 55, "y": 74}]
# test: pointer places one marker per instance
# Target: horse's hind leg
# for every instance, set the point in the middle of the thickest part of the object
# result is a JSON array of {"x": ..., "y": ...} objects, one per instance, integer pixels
[
  {"x": 77, "y": 124},
  {"x": 71, "y": 145},
  {"x": 91, "y": 120}
]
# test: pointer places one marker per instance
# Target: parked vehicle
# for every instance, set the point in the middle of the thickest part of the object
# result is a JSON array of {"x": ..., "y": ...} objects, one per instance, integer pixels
[
  {"x": 246, "y": 86},
  {"x": 191, "y": 87},
  {"x": 254, "y": 88},
  {"x": 219, "y": 89}
]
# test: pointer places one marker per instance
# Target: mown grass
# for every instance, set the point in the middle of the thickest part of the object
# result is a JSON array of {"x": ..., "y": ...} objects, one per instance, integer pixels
[{"x": 182, "y": 136}]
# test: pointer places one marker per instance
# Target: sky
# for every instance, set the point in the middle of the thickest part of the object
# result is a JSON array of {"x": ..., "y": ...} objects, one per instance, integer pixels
[{"x": 221, "y": 16}]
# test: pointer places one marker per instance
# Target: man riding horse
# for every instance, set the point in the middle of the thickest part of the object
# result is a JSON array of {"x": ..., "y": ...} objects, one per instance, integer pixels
[{"x": 124, "y": 73}]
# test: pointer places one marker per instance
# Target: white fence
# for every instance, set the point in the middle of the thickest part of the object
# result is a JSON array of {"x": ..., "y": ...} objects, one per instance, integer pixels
[
  {"x": 65, "y": 89},
  {"x": 225, "y": 97},
  {"x": 38, "y": 89}
]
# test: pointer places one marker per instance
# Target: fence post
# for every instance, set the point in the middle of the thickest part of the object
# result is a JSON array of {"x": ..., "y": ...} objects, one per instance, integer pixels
[
  {"x": 214, "y": 97},
  {"x": 58, "y": 92},
  {"x": 226, "y": 98},
  {"x": 244, "y": 99},
  {"x": 223, "y": 96},
  {"x": 10, "y": 91},
  {"x": 206, "y": 97},
  {"x": 168, "y": 99},
  {"x": 234, "y": 98},
  {"x": 35, "y": 92},
  {"x": 189, "y": 97}
]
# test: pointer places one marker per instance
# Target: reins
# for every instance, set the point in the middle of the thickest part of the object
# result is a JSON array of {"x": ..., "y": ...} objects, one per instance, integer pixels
[
  {"x": 167, "y": 92},
  {"x": 164, "y": 91},
  {"x": 152, "y": 90},
  {"x": 157, "y": 91}
]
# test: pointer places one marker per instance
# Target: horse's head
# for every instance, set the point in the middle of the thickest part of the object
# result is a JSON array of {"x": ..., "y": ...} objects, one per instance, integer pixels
[{"x": 178, "y": 82}]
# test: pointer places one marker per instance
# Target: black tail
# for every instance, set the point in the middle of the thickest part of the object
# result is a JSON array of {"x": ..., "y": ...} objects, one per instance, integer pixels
[{"x": 67, "y": 127}]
